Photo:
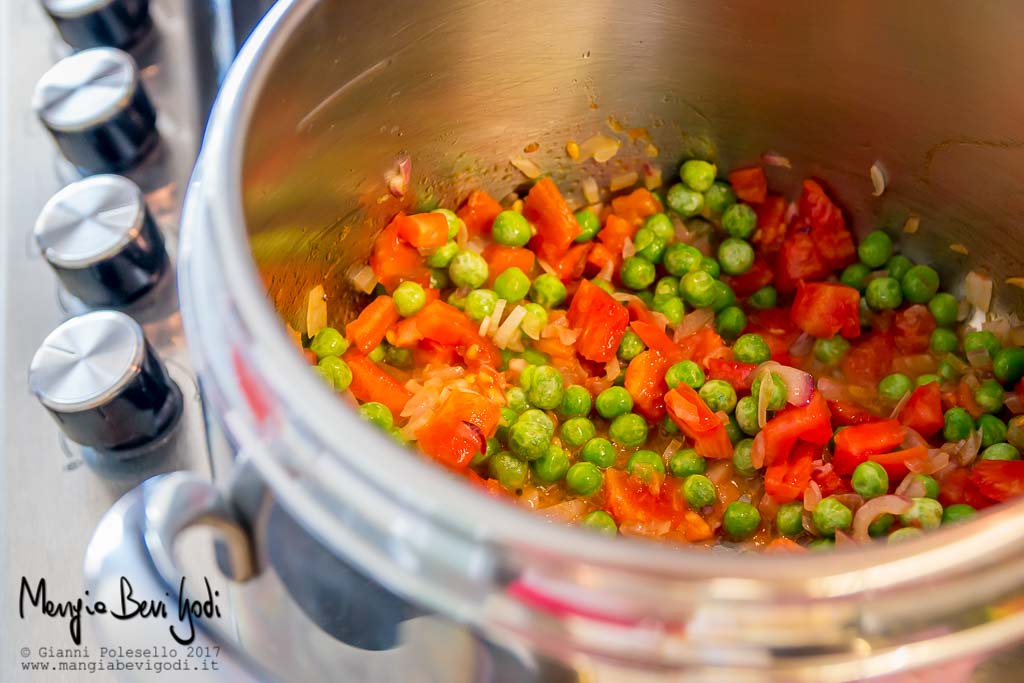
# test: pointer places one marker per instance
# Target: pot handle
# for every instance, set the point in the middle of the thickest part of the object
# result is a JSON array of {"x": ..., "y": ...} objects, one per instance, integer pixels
[{"x": 134, "y": 542}]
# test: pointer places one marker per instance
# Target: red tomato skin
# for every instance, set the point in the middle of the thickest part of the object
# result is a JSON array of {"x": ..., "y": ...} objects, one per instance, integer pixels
[
  {"x": 912, "y": 329},
  {"x": 923, "y": 411},
  {"x": 823, "y": 310}
]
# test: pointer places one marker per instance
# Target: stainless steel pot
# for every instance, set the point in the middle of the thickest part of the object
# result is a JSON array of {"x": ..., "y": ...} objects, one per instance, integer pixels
[{"x": 290, "y": 192}]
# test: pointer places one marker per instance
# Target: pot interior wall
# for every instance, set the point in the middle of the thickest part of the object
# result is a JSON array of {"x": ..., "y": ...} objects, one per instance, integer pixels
[{"x": 462, "y": 87}]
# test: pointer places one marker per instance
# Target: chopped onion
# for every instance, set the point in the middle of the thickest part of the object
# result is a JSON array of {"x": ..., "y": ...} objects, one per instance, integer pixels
[
  {"x": 850, "y": 500},
  {"x": 626, "y": 297},
  {"x": 967, "y": 449},
  {"x": 526, "y": 167},
  {"x": 670, "y": 450},
  {"x": 692, "y": 322},
  {"x": 832, "y": 390},
  {"x": 1013, "y": 403},
  {"x": 601, "y": 147},
  {"x": 568, "y": 336},
  {"x": 963, "y": 311},
  {"x": 517, "y": 365},
  {"x": 900, "y": 404},
  {"x": 959, "y": 248},
  {"x": 316, "y": 310},
  {"x": 978, "y": 290},
  {"x": 799, "y": 384},
  {"x": 802, "y": 345},
  {"x": 912, "y": 225},
  {"x": 937, "y": 460},
  {"x": 623, "y": 180},
  {"x": 764, "y": 395},
  {"x": 607, "y": 270},
  {"x": 757, "y": 454},
  {"x": 911, "y": 437},
  {"x": 546, "y": 267},
  {"x": 812, "y": 496},
  {"x": 499, "y": 310},
  {"x": 791, "y": 212},
  {"x": 875, "y": 508},
  {"x": 649, "y": 529},
  {"x": 651, "y": 150},
  {"x": 612, "y": 369},
  {"x": 979, "y": 359},
  {"x": 775, "y": 159},
  {"x": 628, "y": 248},
  {"x": 504, "y": 333},
  {"x": 1000, "y": 327},
  {"x": 567, "y": 511},
  {"x": 398, "y": 181},
  {"x": 878, "y": 179},
  {"x": 911, "y": 487},
  {"x": 660, "y": 318},
  {"x": 652, "y": 177},
  {"x": 590, "y": 191},
  {"x": 843, "y": 540},
  {"x": 363, "y": 279}
]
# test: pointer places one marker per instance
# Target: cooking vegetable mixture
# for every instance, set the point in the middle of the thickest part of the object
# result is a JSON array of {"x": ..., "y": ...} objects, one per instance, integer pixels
[{"x": 714, "y": 364}]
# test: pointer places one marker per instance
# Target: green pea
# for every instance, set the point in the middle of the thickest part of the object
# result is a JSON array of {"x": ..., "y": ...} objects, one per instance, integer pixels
[
  {"x": 526, "y": 376},
  {"x": 894, "y": 386},
  {"x": 508, "y": 418},
  {"x": 830, "y": 516},
  {"x": 989, "y": 396},
  {"x": 493, "y": 447},
  {"x": 439, "y": 279},
  {"x": 698, "y": 289},
  {"x": 719, "y": 197},
  {"x": 649, "y": 245},
  {"x": 601, "y": 522},
  {"x": 870, "y": 479},
  {"x": 468, "y": 269},
  {"x": 697, "y": 174},
  {"x": 789, "y": 519},
  {"x": 699, "y": 491},
  {"x": 683, "y": 200},
  {"x": 736, "y": 256},
  {"x": 324, "y": 375},
  {"x": 957, "y": 424},
  {"x": 947, "y": 371},
  {"x": 530, "y": 435},
  {"x": 612, "y": 402},
  {"x": 1008, "y": 365},
  {"x": 764, "y": 298},
  {"x": 777, "y": 394},
  {"x": 1000, "y": 451},
  {"x": 957, "y": 513},
  {"x": 724, "y": 297},
  {"x": 719, "y": 395},
  {"x": 820, "y": 545},
  {"x": 927, "y": 379},
  {"x": 442, "y": 256},
  {"x": 668, "y": 426},
  {"x": 459, "y": 302},
  {"x": 551, "y": 466},
  {"x": 577, "y": 431},
  {"x": 546, "y": 388},
  {"x": 599, "y": 451},
  {"x": 751, "y": 348},
  {"x": 924, "y": 513},
  {"x": 680, "y": 259},
  {"x": 993, "y": 430},
  {"x": 733, "y": 431},
  {"x": 830, "y": 351},
  {"x": 511, "y": 229},
  {"x": 667, "y": 286},
  {"x": 740, "y": 520},
  {"x": 739, "y": 220},
  {"x": 661, "y": 225},
  {"x": 584, "y": 478},
  {"x": 603, "y": 284},
  {"x": 730, "y": 322},
  {"x": 512, "y": 285},
  {"x": 397, "y": 357},
  {"x": 902, "y": 535},
  {"x": 637, "y": 273},
  {"x": 855, "y": 275},
  {"x": 875, "y": 249},
  {"x": 711, "y": 267},
  {"x": 631, "y": 346},
  {"x": 338, "y": 371},
  {"x": 944, "y": 308},
  {"x": 409, "y": 298},
  {"x": 686, "y": 372},
  {"x": 328, "y": 342},
  {"x": 644, "y": 462},
  {"x": 576, "y": 401},
  {"x": 741, "y": 461},
  {"x": 589, "y": 224},
  {"x": 671, "y": 307},
  {"x": 898, "y": 265},
  {"x": 686, "y": 462},
  {"x": 548, "y": 291},
  {"x": 884, "y": 294},
  {"x": 746, "y": 415},
  {"x": 881, "y": 525},
  {"x": 645, "y": 296},
  {"x": 920, "y": 284},
  {"x": 535, "y": 320},
  {"x": 455, "y": 224},
  {"x": 982, "y": 340},
  {"x": 628, "y": 430},
  {"x": 480, "y": 303},
  {"x": 943, "y": 340},
  {"x": 510, "y": 471}
]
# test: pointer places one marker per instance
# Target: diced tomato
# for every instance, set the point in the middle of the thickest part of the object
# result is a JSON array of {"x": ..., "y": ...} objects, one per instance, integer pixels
[
  {"x": 895, "y": 463},
  {"x": 367, "y": 330},
  {"x": 630, "y": 499},
  {"x": 777, "y": 329},
  {"x": 500, "y": 258},
  {"x": 600, "y": 255},
  {"x": 645, "y": 382},
  {"x": 868, "y": 360},
  {"x": 553, "y": 347},
  {"x": 478, "y": 213},
  {"x": 854, "y": 444},
  {"x": 1000, "y": 480},
  {"x": 459, "y": 429},
  {"x": 601, "y": 320},
  {"x": 828, "y": 227},
  {"x": 429, "y": 352},
  {"x": 749, "y": 184},
  {"x": 810, "y": 423},
  {"x": 787, "y": 479},
  {"x": 923, "y": 411},
  {"x": 447, "y": 325},
  {"x": 694, "y": 419},
  {"x": 654, "y": 337},
  {"x": 636, "y": 206},
  {"x": 490, "y": 486},
  {"x": 423, "y": 230},
  {"x": 371, "y": 383},
  {"x": 798, "y": 260},
  {"x": 393, "y": 260},
  {"x": 958, "y": 486},
  {"x": 771, "y": 224},
  {"x": 759, "y": 275},
  {"x": 571, "y": 266},
  {"x": 845, "y": 413},
  {"x": 557, "y": 227},
  {"x": 639, "y": 311},
  {"x": 701, "y": 346},
  {"x": 739, "y": 375},
  {"x": 782, "y": 545},
  {"x": 830, "y": 483},
  {"x": 823, "y": 309},
  {"x": 614, "y": 233},
  {"x": 912, "y": 329}
]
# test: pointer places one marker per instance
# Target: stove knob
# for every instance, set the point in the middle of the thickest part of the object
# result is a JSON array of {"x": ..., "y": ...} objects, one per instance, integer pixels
[
  {"x": 96, "y": 23},
  {"x": 94, "y": 106},
  {"x": 102, "y": 383}
]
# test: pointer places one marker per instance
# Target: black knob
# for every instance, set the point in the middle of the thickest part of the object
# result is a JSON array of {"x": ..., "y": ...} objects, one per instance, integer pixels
[
  {"x": 101, "y": 241},
  {"x": 100, "y": 380},
  {"x": 95, "y": 107},
  {"x": 98, "y": 23}
]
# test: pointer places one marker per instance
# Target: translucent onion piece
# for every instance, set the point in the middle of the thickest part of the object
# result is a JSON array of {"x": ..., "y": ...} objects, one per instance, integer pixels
[
  {"x": 692, "y": 322},
  {"x": 499, "y": 310},
  {"x": 832, "y": 390},
  {"x": 812, "y": 496},
  {"x": 999, "y": 327},
  {"x": 526, "y": 167},
  {"x": 363, "y": 279},
  {"x": 799, "y": 384},
  {"x": 612, "y": 369},
  {"x": 802, "y": 345},
  {"x": 978, "y": 290},
  {"x": 850, "y": 500},
  {"x": 601, "y": 147},
  {"x": 590, "y": 191},
  {"x": 937, "y": 460},
  {"x": 567, "y": 512},
  {"x": 967, "y": 449},
  {"x": 875, "y": 508},
  {"x": 911, "y": 487},
  {"x": 670, "y": 450},
  {"x": 757, "y": 453},
  {"x": 898, "y": 408},
  {"x": 843, "y": 540},
  {"x": 775, "y": 159},
  {"x": 316, "y": 310},
  {"x": 623, "y": 180},
  {"x": 764, "y": 395},
  {"x": 628, "y": 249},
  {"x": 878, "y": 179},
  {"x": 399, "y": 181},
  {"x": 505, "y": 332}
]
